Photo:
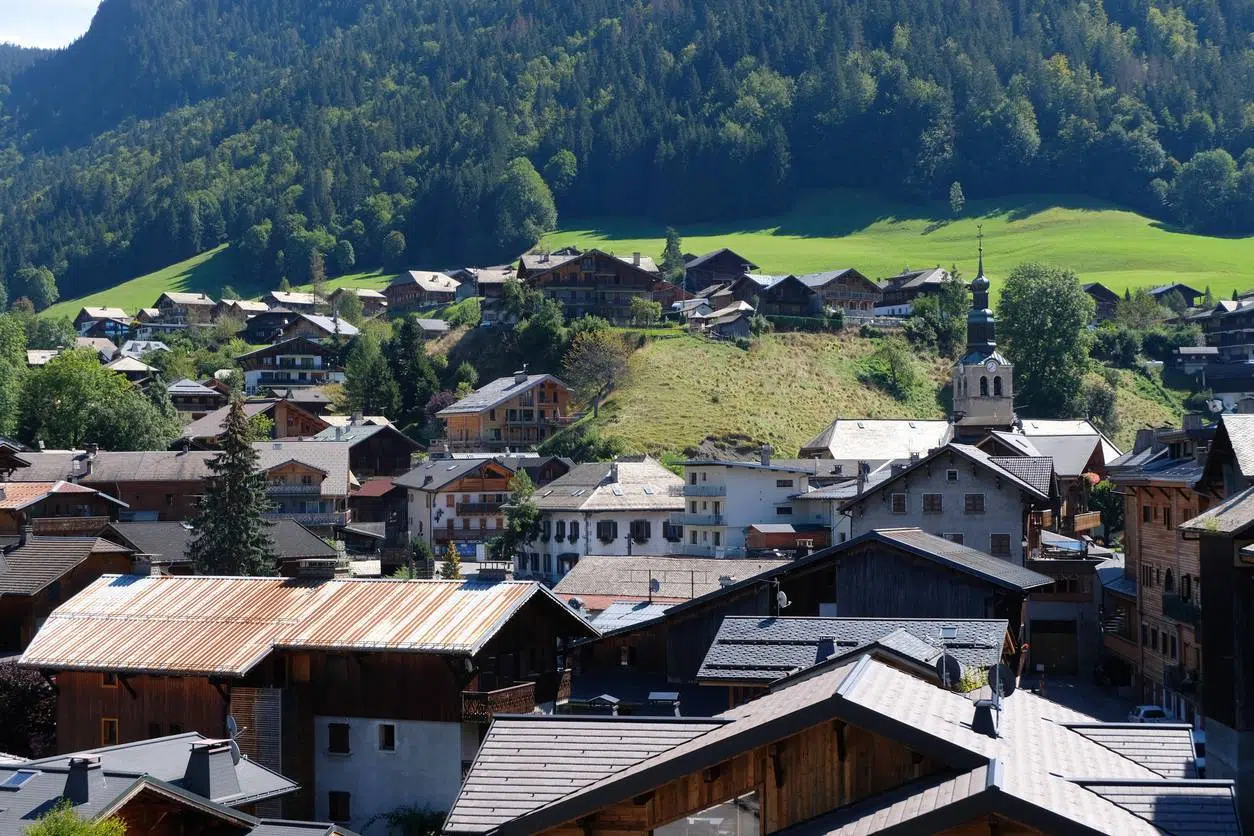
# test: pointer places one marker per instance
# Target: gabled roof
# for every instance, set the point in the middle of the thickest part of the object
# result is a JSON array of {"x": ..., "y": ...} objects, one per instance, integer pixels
[
  {"x": 292, "y": 345},
  {"x": 626, "y": 577},
  {"x": 826, "y": 277},
  {"x": 168, "y": 540},
  {"x": 328, "y": 325},
  {"x": 1238, "y": 429},
  {"x": 102, "y": 313},
  {"x": 1098, "y": 289},
  {"x": 1231, "y": 516},
  {"x": 181, "y": 298},
  {"x": 435, "y": 326},
  {"x": 643, "y": 485},
  {"x": 30, "y": 568},
  {"x": 129, "y": 364},
  {"x": 1043, "y": 767},
  {"x": 699, "y": 260},
  {"x": 187, "y": 388},
  {"x": 873, "y": 439},
  {"x": 914, "y": 279},
  {"x": 962, "y": 558},
  {"x": 297, "y": 298},
  {"x": 159, "y": 623},
  {"x": 246, "y": 305},
  {"x": 433, "y": 474},
  {"x": 1037, "y": 471},
  {"x": 429, "y": 280},
  {"x": 137, "y": 348},
  {"x": 1071, "y": 454},
  {"x": 330, "y": 457},
  {"x": 361, "y": 293},
  {"x": 102, "y": 345},
  {"x": 762, "y": 650},
  {"x": 1034, "y": 427},
  {"x": 354, "y": 434},
  {"x": 497, "y": 392},
  {"x": 972, "y": 454}
]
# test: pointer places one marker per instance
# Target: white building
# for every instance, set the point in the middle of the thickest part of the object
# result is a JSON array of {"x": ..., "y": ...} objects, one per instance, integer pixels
[
  {"x": 622, "y": 507},
  {"x": 722, "y": 499}
]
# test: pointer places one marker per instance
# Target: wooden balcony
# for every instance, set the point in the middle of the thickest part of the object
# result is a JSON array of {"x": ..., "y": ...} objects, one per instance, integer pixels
[
  {"x": 63, "y": 526},
  {"x": 1182, "y": 610},
  {"x": 467, "y": 508},
  {"x": 482, "y": 706},
  {"x": 1086, "y": 521},
  {"x": 553, "y": 687}
]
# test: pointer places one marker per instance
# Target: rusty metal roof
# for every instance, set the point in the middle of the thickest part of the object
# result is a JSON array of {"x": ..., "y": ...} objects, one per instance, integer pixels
[{"x": 226, "y": 626}]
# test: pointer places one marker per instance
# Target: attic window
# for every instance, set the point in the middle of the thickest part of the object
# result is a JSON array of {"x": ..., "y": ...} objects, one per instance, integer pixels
[
  {"x": 949, "y": 632},
  {"x": 951, "y": 475},
  {"x": 18, "y": 779}
]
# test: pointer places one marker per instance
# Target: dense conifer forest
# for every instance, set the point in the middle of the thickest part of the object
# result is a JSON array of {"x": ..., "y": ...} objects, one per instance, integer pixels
[{"x": 432, "y": 133}]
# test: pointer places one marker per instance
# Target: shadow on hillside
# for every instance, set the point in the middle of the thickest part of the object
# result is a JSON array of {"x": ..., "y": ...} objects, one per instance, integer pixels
[{"x": 214, "y": 273}]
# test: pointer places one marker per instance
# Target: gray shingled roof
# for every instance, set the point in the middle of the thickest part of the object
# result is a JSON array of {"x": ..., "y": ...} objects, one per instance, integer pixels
[
  {"x": 879, "y": 439},
  {"x": 703, "y": 258},
  {"x": 964, "y": 558},
  {"x": 1153, "y": 746},
  {"x": 328, "y": 324},
  {"x": 331, "y": 457},
  {"x": 496, "y": 392},
  {"x": 644, "y": 485},
  {"x": 518, "y": 769},
  {"x": 678, "y": 577},
  {"x": 1037, "y": 471},
  {"x": 169, "y": 539},
  {"x": 143, "y": 466},
  {"x": 762, "y": 650},
  {"x": 433, "y": 474},
  {"x": 1240, "y": 430},
  {"x": 1232, "y": 516},
  {"x": 624, "y": 614},
  {"x": 43, "y": 560},
  {"x": 1071, "y": 453},
  {"x": 1181, "y": 808}
]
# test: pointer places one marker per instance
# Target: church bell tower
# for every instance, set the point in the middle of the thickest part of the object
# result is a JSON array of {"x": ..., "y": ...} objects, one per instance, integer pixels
[{"x": 983, "y": 379}]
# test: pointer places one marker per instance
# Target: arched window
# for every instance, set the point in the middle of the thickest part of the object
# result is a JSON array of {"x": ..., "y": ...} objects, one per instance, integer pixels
[
  {"x": 983, "y": 387},
  {"x": 997, "y": 386}
]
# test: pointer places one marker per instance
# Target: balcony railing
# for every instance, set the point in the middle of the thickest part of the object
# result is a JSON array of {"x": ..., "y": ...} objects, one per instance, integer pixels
[
  {"x": 293, "y": 490},
  {"x": 1181, "y": 679},
  {"x": 464, "y": 508},
  {"x": 696, "y": 519},
  {"x": 1182, "y": 610},
  {"x": 705, "y": 490},
  {"x": 706, "y": 550},
  {"x": 482, "y": 706},
  {"x": 69, "y": 525},
  {"x": 464, "y": 535},
  {"x": 324, "y": 518},
  {"x": 1086, "y": 521}
]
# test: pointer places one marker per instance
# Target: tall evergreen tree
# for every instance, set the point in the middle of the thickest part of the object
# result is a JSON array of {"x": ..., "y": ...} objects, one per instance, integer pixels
[
  {"x": 232, "y": 535},
  {"x": 673, "y": 256}
]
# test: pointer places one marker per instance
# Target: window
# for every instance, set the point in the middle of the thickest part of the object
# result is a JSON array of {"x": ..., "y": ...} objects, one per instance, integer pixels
[
  {"x": 997, "y": 386},
  {"x": 574, "y": 530},
  {"x": 951, "y": 475},
  {"x": 607, "y": 531},
  {"x": 999, "y": 545},
  {"x": 450, "y": 500},
  {"x": 954, "y": 537},
  {"x": 673, "y": 533},
  {"x": 783, "y": 510},
  {"x": 339, "y": 806},
  {"x": 692, "y": 478},
  {"x": 1169, "y": 582},
  {"x": 337, "y": 738},
  {"x": 108, "y": 731},
  {"x": 692, "y": 537},
  {"x": 1146, "y": 513},
  {"x": 108, "y": 680},
  {"x": 973, "y": 503},
  {"x": 1186, "y": 587},
  {"x": 387, "y": 737},
  {"x": 783, "y": 483},
  {"x": 1144, "y": 634},
  {"x": 491, "y": 414},
  {"x": 718, "y": 538},
  {"x": 740, "y": 816},
  {"x": 626, "y": 656},
  {"x": 641, "y": 530},
  {"x": 1154, "y": 637},
  {"x": 983, "y": 387},
  {"x": 1167, "y": 518},
  {"x": 932, "y": 503},
  {"x": 548, "y": 564},
  {"x": 899, "y": 504},
  {"x": 1173, "y": 647},
  {"x": 546, "y": 530},
  {"x": 559, "y": 529}
]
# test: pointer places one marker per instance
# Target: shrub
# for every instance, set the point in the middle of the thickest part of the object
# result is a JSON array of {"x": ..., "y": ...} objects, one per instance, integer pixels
[
  {"x": 1117, "y": 344},
  {"x": 744, "y": 343}
]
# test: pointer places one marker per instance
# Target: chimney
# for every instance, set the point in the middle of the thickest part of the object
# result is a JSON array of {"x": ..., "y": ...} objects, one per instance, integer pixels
[
  {"x": 356, "y": 420},
  {"x": 28, "y": 531},
  {"x": 1245, "y": 406},
  {"x": 613, "y": 473},
  {"x": 78, "y": 782},
  {"x": 339, "y": 432},
  {"x": 92, "y": 449},
  {"x": 914, "y": 457},
  {"x": 986, "y": 716},
  {"x": 1191, "y": 421},
  {"x": 635, "y": 259},
  {"x": 1144, "y": 440},
  {"x": 211, "y": 770},
  {"x": 766, "y": 454}
]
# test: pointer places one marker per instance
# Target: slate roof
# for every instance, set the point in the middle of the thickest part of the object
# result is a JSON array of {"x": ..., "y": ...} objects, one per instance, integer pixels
[
  {"x": 1181, "y": 808},
  {"x": 762, "y": 650},
  {"x": 626, "y": 577},
  {"x": 186, "y": 387},
  {"x": 1169, "y": 755},
  {"x": 1034, "y": 427},
  {"x": 169, "y": 539},
  {"x": 165, "y": 758},
  {"x": 1037, "y": 471},
  {"x": 826, "y": 277},
  {"x": 145, "y": 466},
  {"x": 497, "y": 392},
  {"x": 428, "y": 280},
  {"x": 433, "y": 474},
  {"x": 1232, "y": 516},
  {"x": 183, "y": 298},
  {"x": 963, "y": 558},
  {"x": 1039, "y": 769},
  {"x": 641, "y": 485},
  {"x": 160, "y": 623},
  {"x": 434, "y": 326},
  {"x": 623, "y": 614},
  {"x": 869, "y": 439},
  {"x": 1071, "y": 453},
  {"x": 328, "y": 325},
  {"x": 518, "y": 770},
  {"x": 30, "y": 568},
  {"x": 1240, "y": 431},
  {"x": 355, "y": 433},
  {"x": 703, "y": 258},
  {"x": 213, "y": 424}
]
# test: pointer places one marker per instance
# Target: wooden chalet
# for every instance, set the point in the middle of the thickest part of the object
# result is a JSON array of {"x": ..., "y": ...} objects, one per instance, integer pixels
[
  {"x": 373, "y": 302},
  {"x": 194, "y": 400},
  {"x": 1105, "y": 300},
  {"x": 595, "y": 282},
  {"x": 514, "y": 412},
  {"x": 845, "y": 290},
  {"x": 374, "y": 449},
  {"x": 417, "y": 289},
  {"x": 178, "y": 308},
  {"x": 267, "y": 326},
  {"x": 295, "y": 362},
  {"x": 459, "y": 501},
  {"x": 369, "y": 694},
  {"x": 290, "y": 421},
  {"x": 901, "y": 573},
  {"x": 790, "y": 296},
  {"x": 853, "y": 746},
  {"x": 713, "y": 268},
  {"x": 55, "y": 507}
]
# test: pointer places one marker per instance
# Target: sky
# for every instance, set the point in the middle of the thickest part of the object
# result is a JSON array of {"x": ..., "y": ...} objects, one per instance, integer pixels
[{"x": 48, "y": 23}]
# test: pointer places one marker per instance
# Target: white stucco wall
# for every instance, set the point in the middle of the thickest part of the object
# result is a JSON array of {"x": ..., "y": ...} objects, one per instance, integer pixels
[{"x": 424, "y": 769}]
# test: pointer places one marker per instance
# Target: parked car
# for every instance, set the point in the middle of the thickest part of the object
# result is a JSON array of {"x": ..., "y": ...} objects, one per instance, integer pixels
[
  {"x": 1199, "y": 751},
  {"x": 1148, "y": 714}
]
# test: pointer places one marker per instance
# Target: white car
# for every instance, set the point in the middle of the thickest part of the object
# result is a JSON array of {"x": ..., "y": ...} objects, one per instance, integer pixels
[{"x": 1148, "y": 714}]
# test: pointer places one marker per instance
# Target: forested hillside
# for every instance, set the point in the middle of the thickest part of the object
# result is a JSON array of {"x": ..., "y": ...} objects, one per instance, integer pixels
[
  {"x": 14, "y": 59},
  {"x": 317, "y": 134}
]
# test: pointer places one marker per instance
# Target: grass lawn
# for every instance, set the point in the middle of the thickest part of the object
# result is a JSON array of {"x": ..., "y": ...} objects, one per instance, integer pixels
[
  {"x": 880, "y": 237},
  {"x": 786, "y": 388}
]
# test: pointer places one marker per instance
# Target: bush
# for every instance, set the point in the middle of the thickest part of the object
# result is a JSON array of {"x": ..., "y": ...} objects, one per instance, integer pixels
[
  {"x": 581, "y": 443},
  {"x": 744, "y": 343},
  {"x": 466, "y": 312},
  {"x": 870, "y": 332},
  {"x": 1161, "y": 343},
  {"x": 806, "y": 323},
  {"x": 1117, "y": 344}
]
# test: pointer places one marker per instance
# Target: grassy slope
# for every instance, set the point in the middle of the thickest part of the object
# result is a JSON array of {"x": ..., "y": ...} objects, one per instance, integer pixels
[
  {"x": 879, "y": 237},
  {"x": 786, "y": 389},
  {"x": 208, "y": 273}
]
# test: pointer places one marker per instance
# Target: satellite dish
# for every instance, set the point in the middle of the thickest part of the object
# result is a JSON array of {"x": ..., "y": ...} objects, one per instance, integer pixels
[
  {"x": 782, "y": 600},
  {"x": 1002, "y": 680},
  {"x": 1215, "y": 405},
  {"x": 235, "y": 753},
  {"x": 232, "y": 728},
  {"x": 949, "y": 669},
  {"x": 654, "y": 586}
]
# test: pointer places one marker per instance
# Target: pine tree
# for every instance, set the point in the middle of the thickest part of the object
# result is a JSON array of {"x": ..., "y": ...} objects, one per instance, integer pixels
[
  {"x": 451, "y": 570},
  {"x": 673, "y": 257},
  {"x": 232, "y": 535}
]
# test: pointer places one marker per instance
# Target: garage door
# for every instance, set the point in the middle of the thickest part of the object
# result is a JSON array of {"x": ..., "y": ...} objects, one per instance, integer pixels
[{"x": 1054, "y": 646}]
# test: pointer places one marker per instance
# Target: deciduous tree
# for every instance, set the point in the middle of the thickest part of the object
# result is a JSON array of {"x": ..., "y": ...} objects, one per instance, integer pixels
[{"x": 596, "y": 362}]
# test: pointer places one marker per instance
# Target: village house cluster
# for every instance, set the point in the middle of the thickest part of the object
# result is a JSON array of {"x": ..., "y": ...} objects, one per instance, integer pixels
[{"x": 858, "y": 639}]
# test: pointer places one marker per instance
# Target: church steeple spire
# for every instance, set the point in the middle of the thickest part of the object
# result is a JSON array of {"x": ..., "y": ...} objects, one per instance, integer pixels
[
  {"x": 979, "y": 237},
  {"x": 981, "y": 325}
]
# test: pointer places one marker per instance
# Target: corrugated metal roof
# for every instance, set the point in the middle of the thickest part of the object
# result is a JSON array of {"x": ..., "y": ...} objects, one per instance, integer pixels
[{"x": 220, "y": 625}]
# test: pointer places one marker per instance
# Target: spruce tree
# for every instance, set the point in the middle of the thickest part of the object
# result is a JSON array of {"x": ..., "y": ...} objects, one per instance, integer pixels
[
  {"x": 232, "y": 535},
  {"x": 451, "y": 570}
]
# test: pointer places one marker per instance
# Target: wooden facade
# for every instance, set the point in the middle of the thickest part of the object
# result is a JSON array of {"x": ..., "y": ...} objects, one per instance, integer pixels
[
  {"x": 82, "y": 513},
  {"x": 21, "y": 615},
  {"x": 827, "y": 766},
  {"x": 790, "y": 297},
  {"x": 847, "y": 290},
  {"x": 715, "y": 268},
  {"x": 600, "y": 284},
  {"x": 520, "y": 422}
]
